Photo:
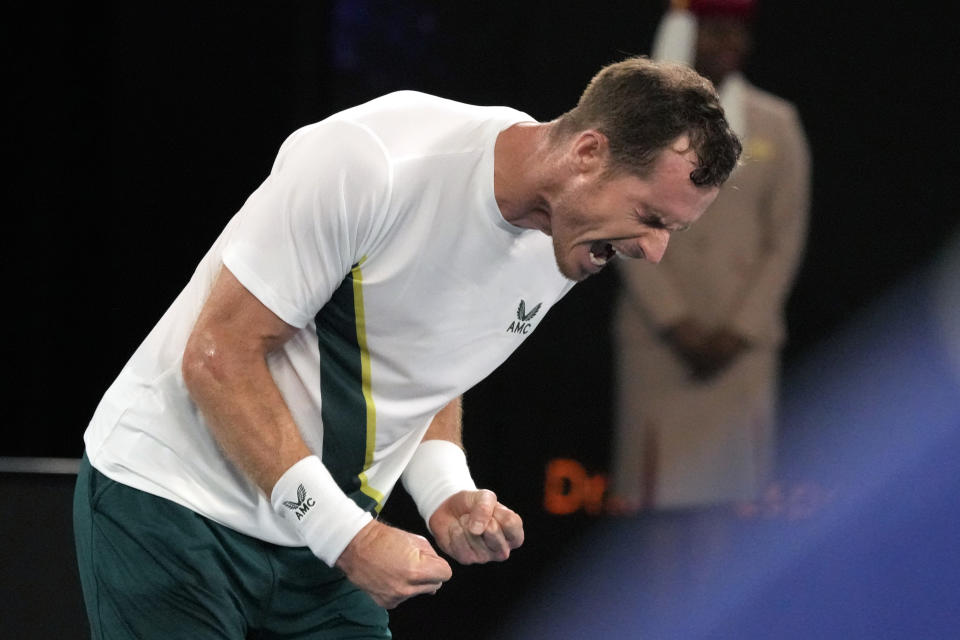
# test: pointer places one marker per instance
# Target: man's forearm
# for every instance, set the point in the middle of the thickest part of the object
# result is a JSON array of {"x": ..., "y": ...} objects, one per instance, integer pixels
[
  {"x": 243, "y": 408},
  {"x": 247, "y": 414},
  {"x": 448, "y": 423}
]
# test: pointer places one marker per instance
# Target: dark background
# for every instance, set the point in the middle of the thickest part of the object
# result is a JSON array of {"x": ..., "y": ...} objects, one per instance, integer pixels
[{"x": 134, "y": 132}]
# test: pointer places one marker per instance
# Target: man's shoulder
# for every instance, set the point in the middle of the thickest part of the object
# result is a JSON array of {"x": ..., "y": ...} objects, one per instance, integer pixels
[
  {"x": 410, "y": 124},
  {"x": 403, "y": 99},
  {"x": 413, "y": 98},
  {"x": 426, "y": 108}
]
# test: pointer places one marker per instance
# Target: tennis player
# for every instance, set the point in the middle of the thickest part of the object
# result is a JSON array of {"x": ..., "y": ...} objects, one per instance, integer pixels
[{"x": 395, "y": 255}]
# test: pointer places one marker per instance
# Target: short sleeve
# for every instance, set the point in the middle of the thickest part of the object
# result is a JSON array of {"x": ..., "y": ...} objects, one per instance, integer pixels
[{"x": 299, "y": 234}]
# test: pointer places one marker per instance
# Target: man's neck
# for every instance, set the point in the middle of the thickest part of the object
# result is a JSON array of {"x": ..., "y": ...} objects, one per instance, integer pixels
[{"x": 522, "y": 159}]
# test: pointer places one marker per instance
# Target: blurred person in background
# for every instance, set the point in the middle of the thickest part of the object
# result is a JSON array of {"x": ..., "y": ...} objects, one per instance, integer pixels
[{"x": 698, "y": 338}]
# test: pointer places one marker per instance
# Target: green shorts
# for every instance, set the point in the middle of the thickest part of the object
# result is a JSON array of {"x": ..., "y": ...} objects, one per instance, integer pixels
[{"x": 153, "y": 569}]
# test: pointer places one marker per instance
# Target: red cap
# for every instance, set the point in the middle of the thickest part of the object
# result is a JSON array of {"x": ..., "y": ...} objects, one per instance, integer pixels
[{"x": 742, "y": 9}]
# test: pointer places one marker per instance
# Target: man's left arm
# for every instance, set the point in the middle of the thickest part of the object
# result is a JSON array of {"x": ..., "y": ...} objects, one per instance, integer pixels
[{"x": 469, "y": 524}]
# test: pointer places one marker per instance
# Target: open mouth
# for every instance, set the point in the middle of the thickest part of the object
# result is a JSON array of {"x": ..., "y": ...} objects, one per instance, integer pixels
[{"x": 601, "y": 253}]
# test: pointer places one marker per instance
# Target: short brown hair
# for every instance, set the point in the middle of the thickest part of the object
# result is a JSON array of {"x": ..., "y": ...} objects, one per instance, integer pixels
[{"x": 642, "y": 106}]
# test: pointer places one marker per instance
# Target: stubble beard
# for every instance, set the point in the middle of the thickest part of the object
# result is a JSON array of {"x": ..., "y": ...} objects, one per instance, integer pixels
[{"x": 578, "y": 275}]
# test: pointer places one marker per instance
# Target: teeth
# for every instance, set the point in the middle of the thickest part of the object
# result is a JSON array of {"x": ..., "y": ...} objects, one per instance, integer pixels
[{"x": 597, "y": 261}]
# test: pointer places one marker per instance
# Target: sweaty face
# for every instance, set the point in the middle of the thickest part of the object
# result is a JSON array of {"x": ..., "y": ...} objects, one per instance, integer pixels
[{"x": 598, "y": 217}]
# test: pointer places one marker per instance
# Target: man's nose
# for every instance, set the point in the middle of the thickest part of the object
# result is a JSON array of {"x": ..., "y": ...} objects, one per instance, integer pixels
[{"x": 654, "y": 245}]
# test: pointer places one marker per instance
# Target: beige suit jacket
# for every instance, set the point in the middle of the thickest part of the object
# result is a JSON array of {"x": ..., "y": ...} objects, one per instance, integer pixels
[{"x": 680, "y": 442}]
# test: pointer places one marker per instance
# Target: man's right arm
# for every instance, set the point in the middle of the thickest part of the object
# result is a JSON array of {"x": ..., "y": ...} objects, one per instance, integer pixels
[{"x": 225, "y": 370}]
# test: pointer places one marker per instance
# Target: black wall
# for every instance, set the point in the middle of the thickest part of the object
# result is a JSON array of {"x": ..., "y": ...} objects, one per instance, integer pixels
[{"x": 135, "y": 132}]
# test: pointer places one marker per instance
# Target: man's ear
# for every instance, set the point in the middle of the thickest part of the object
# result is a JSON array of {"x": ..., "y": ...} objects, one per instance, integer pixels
[{"x": 590, "y": 151}]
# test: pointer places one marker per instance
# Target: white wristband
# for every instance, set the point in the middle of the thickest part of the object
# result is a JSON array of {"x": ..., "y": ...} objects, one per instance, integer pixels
[
  {"x": 437, "y": 470},
  {"x": 307, "y": 495}
]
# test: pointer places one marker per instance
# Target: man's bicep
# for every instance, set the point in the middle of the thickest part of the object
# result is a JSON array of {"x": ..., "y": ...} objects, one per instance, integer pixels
[{"x": 234, "y": 314}]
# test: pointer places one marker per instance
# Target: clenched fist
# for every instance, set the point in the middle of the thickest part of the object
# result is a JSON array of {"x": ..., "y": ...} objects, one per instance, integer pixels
[
  {"x": 473, "y": 527},
  {"x": 392, "y": 565}
]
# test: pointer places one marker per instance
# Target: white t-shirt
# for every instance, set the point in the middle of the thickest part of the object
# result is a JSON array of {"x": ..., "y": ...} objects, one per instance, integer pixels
[{"x": 377, "y": 233}]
